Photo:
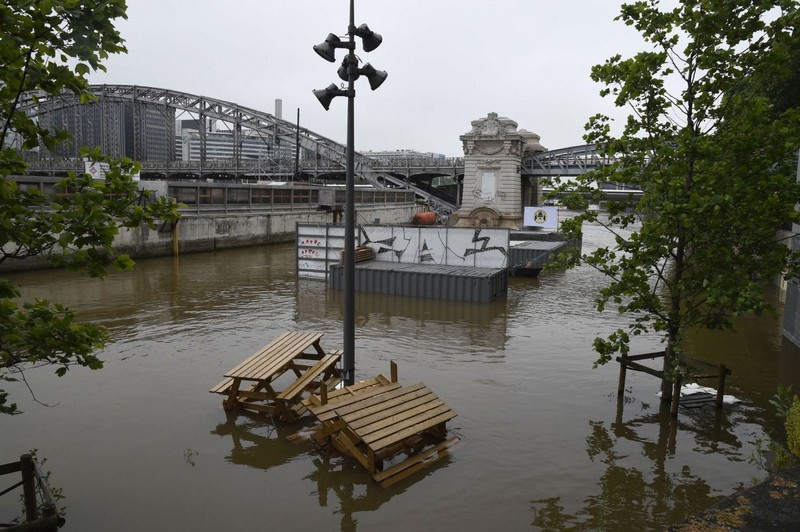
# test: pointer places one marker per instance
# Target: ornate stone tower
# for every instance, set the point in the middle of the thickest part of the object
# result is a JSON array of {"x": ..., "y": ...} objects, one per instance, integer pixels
[{"x": 492, "y": 192}]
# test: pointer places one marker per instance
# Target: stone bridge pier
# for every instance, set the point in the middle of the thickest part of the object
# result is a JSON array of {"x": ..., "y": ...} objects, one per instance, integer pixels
[{"x": 493, "y": 186}]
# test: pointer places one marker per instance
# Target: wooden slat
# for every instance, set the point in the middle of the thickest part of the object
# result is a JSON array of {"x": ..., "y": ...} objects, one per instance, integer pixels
[
  {"x": 346, "y": 444},
  {"x": 276, "y": 356},
  {"x": 301, "y": 383},
  {"x": 273, "y": 357},
  {"x": 260, "y": 352},
  {"x": 413, "y": 418},
  {"x": 366, "y": 400},
  {"x": 398, "y": 472},
  {"x": 639, "y": 367},
  {"x": 248, "y": 394},
  {"x": 326, "y": 411},
  {"x": 222, "y": 387},
  {"x": 13, "y": 467},
  {"x": 388, "y": 409},
  {"x": 347, "y": 391},
  {"x": 396, "y": 415},
  {"x": 645, "y": 356},
  {"x": 415, "y": 429}
]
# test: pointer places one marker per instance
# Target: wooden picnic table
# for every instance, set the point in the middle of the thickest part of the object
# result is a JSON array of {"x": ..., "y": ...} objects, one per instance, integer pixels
[
  {"x": 249, "y": 385},
  {"x": 383, "y": 421}
]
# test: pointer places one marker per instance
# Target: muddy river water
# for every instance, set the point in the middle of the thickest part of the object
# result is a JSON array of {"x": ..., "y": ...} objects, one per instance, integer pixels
[{"x": 142, "y": 445}]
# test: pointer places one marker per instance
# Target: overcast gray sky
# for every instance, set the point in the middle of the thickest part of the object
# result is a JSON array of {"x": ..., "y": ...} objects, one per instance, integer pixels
[{"x": 449, "y": 62}]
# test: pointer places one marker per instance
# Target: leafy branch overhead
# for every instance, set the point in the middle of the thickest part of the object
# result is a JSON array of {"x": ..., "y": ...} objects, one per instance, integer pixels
[
  {"x": 48, "y": 47},
  {"x": 710, "y": 139}
]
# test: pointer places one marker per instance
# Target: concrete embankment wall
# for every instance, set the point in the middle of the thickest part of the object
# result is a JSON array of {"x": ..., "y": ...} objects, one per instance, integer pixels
[{"x": 209, "y": 232}]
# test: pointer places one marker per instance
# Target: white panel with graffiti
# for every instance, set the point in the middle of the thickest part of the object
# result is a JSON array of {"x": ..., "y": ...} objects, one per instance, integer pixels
[{"x": 318, "y": 247}]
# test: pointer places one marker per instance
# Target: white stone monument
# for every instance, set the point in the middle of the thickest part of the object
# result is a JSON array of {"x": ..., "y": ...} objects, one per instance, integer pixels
[{"x": 492, "y": 190}]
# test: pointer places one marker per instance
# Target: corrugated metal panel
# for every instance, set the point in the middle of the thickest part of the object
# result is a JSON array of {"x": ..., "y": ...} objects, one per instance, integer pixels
[
  {"x": 465, "y": 283},
  {"x": 533, "y": 255}
]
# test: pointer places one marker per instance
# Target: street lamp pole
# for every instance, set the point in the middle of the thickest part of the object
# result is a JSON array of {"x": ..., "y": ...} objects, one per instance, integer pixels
[
  {"x": 349, "y": 340},
  {"x": 349, "y": 72}
]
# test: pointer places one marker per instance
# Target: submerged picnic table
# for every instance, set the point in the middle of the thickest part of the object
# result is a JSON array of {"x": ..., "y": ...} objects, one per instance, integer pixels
[
  {"x": 249, "y": 385},
  {"x": 380, "y": 421}
]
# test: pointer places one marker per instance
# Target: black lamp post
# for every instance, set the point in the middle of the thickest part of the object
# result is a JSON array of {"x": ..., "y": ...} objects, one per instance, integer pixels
[{"x": 349, "y": 72}]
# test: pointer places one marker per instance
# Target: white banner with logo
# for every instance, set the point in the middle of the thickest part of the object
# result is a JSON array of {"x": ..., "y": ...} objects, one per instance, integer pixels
[
  {"x": 98, "y": 170},
  {"x": 544, "y": 217}
]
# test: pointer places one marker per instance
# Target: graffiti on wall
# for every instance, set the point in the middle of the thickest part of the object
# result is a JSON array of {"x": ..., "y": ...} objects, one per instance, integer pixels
[
  {"x": 462, "y": 246},
  {"x": 484, "y": 243}
]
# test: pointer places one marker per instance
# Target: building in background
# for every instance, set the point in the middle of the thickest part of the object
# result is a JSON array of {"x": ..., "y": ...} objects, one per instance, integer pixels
[
  {"x": 139, "y": 130},
  {"x": 389, "y": 156},
  {"x": 220, "y": 144}
]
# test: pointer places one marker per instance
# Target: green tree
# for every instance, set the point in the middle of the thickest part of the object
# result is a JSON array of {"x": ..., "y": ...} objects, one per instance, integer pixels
[
  {"x": 48, "y": 47},
  {"x": 714, "y": 158}
]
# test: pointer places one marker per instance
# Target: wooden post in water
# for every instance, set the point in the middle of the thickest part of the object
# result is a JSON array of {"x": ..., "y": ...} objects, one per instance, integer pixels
[
  {"x": 721, "y": 384},
  {"x": 623, "y": 368},
  {"x": 28, "y": 487},
  {"x": 676, "y": 396}
]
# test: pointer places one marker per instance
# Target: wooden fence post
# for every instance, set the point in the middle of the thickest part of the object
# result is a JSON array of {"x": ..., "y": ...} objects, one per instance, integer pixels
[
  {"x": 721, "y": 385},
  {"x": 622, "y": 372},
  {"x": 28, "y": 487},
  {"x": 676, "y": 396}
]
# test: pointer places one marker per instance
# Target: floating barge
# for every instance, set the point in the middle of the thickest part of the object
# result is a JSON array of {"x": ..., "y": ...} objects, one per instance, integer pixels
[
  {"x": 528, "y": 258},
  {"x": 455, "y": 283},
  {"x": 447, "y": 263}
]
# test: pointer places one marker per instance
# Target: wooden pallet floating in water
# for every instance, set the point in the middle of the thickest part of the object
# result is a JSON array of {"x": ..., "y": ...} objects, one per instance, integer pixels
[{"x": 696, "y": 400}]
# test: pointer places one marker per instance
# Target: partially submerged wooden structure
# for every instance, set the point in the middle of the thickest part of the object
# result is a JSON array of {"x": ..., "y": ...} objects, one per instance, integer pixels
[
  {"x": 44, "y": 518},
  {"x": 632, "y": 362},
  {"x": 250, "y": 384},
  {"x": 390, "y": 429},
  {"x": 380, "y": 421}
]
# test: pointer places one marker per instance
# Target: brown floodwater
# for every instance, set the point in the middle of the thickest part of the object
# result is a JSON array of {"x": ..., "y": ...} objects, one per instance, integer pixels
[{"x": 142, "y": 445}]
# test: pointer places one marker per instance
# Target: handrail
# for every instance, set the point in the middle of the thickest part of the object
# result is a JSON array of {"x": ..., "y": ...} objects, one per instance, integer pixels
[{"x": 34, "y": 486}]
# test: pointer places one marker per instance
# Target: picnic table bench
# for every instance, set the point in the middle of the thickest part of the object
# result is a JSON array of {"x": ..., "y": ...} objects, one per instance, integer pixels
[
  {"x": 249, "y": 385},
  {"x": 380, "y": 422}
]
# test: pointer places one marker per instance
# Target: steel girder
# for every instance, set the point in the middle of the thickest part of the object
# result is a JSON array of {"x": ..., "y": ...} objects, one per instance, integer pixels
[{"x": 572, "y": 161}]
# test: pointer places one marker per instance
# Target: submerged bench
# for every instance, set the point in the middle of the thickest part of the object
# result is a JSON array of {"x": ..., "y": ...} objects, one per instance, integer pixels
[
  {"x": 249, "y": 385},
  {"x": 381, "y": 421}
]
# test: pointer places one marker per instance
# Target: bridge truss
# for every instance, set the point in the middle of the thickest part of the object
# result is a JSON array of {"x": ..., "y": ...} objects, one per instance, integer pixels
[{"x": 139, "y": 122}]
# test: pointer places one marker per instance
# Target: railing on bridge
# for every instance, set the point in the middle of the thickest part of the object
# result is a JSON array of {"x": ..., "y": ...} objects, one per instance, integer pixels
[
  {"x": 572, "y": 161},
  {"x": 219, "y": 197}
]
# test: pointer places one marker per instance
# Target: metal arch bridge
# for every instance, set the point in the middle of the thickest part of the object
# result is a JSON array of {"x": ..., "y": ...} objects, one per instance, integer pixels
[
  {"x": 150, "y": 108},
  {"x": 103, "y": 127}
]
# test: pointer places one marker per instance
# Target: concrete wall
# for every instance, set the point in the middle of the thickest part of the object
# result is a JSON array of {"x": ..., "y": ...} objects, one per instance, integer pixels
[{"x": 198, "y": 233}]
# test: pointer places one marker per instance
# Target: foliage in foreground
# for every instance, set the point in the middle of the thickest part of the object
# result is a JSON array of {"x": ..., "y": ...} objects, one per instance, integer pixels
[
  {"x": 710, "y": 141},
  {"x": 48, "y": 47}
]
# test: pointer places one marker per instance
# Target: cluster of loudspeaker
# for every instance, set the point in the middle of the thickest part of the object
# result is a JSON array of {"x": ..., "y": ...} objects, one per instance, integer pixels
[{"x": 327, "y": 50}]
